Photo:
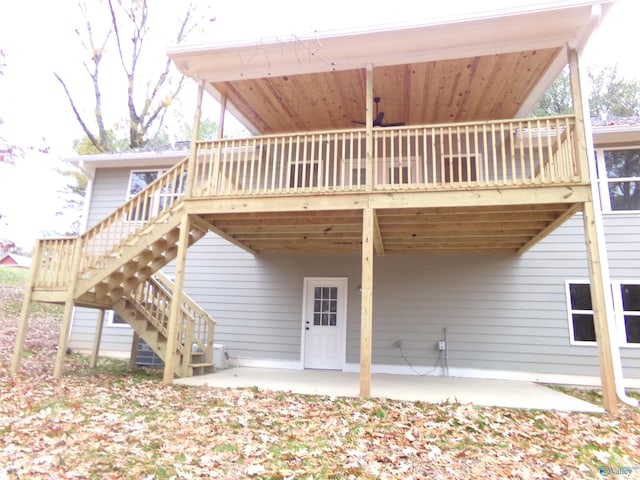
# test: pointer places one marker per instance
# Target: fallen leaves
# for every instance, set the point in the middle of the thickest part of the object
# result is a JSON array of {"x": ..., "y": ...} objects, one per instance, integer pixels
[{"x": 112, "y": 423}]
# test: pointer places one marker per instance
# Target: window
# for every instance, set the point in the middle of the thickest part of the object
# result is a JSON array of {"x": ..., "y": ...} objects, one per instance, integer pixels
[
  {"x": 115, "y": 320},
  {"x": 630, "y": 301},
  {"x": 325, "y": 306},
  {"x": 626, "y": 305},
  {"x": 619, "y": 172},
  {"x": 460, "y": 168},
  {"x": 580, "y": 313},
  {"x": 141, "y": 179},
  {"x": 404, "y": 171},
  {"x": 304, "y": 175},
  {"x": 138, "y": 181}
]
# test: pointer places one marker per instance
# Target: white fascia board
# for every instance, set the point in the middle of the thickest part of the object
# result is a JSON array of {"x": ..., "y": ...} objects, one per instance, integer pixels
[
  {"x": 616, "y": 134},
  {"x": 127, "y": 159}
]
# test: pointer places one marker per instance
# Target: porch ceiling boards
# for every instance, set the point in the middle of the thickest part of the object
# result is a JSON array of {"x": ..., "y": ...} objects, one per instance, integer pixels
[
  {"x": 463, "y": 89},
  {"x": 487, "y": 229}
]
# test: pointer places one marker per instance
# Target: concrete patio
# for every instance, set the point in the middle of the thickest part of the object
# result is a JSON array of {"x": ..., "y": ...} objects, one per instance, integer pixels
[{"x": 496, "y": 393}]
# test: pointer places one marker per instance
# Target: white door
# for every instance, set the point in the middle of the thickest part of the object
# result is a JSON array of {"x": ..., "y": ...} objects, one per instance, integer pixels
[{"x": 324, "y": 323}]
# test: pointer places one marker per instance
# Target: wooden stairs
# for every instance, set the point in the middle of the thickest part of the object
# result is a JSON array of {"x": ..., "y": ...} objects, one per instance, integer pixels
[{"x": 116, "y": 265}]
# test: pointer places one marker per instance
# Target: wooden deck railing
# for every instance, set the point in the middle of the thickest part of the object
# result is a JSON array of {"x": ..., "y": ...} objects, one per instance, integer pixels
[
  {"x": 143, "y": 208},
  {"x": 517, "y": 152},
  {"x": 196, "y": 326},
  {"x": 448, "y": 156},
  {"x": 55, "y": 256}
]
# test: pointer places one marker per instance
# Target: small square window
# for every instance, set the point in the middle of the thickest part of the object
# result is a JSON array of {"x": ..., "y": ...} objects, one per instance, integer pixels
[
  {"x": 632, "y": 328},
  {"x": 580, "y": 296},
  {"x": 583, "y": 328}
]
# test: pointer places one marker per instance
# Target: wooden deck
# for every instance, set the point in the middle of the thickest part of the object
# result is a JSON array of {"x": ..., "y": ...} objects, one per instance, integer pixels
[
  {"x": 493, "y": 187},
  {"x": 483, "y": 187}
]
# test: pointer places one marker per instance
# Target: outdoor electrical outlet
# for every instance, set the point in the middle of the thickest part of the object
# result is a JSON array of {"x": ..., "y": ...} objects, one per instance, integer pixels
[
  {"x": 398, "y": 344},
  {"x": 442, "y": 345}
]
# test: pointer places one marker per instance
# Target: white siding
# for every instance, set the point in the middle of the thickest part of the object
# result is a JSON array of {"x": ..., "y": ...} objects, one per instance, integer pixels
[{"x": 501, "y": 313}]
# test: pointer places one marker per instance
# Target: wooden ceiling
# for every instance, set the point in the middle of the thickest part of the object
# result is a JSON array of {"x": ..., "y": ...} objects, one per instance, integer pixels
[
  {"x": 464, "y": 89},
  {"x": 495, "y": 229}
]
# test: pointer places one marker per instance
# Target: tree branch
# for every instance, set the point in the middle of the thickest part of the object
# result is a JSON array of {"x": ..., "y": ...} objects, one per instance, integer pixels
[{"x": 90, "y": 135}]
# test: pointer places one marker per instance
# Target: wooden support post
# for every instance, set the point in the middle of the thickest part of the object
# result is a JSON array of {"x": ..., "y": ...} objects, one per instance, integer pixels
[
  {"x": 176, "y": 304},
  {"x": 223, "y": 109},
  {"x": 601, "y": 300},
  {"x": 65, "y": 326},
  {"x": 579, "y": 111},
  {"x": 366, "y": 315},
  {"x": 599, "y": 290},
  {"x": 96, "y": 341},
  {"x": 135, "y": 341},
  {"x": 18, "y": 348},
  {"x": 369, "y": 127},
  {"x": 193, "y": 161}
]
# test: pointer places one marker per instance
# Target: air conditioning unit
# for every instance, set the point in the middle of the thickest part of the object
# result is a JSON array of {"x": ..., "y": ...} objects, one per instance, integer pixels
[{"x": 220, "y": 356}]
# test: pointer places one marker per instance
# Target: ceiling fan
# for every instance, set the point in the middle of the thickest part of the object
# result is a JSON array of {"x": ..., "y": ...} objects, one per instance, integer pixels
[{"x": 378, "y": 120}]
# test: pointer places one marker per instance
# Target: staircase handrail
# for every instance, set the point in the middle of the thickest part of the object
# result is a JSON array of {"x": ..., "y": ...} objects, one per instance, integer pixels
[
  {"x": 186, "y": 299},
  {"x": 197, "y": 326},
  {"x": 106, "y": 236}
]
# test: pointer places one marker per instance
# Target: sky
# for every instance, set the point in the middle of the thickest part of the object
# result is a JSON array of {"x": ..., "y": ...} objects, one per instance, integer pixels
[{"x": 38, "y": 37}]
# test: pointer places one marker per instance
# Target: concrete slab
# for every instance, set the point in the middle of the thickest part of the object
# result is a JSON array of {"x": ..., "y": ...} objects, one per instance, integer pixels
[{"x": 490, "y": 393}]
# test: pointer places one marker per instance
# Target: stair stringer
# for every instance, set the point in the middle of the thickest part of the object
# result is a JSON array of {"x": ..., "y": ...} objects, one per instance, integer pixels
[{"x": 137, "y": 243}]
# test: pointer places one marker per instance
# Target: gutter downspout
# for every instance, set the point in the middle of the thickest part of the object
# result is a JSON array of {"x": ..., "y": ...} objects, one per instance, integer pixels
[{"x": 599, "y": 227}]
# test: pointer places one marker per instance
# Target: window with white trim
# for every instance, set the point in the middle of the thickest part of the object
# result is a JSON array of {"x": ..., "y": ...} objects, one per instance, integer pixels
[
  {"x": 630, "y": 312},
  {"x": 626, "y": 306},
  {"x": 115, "y": 320},
  {"x": 619, "y": 178},
  {"x": 141, "y": 179},
  {"x": 580, "y": 309}
]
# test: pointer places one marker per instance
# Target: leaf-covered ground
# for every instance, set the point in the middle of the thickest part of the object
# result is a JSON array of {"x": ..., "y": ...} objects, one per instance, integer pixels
[{"x": 112, "y": 423}]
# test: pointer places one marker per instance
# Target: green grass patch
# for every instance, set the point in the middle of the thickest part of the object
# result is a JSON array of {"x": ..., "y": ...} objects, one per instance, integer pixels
[
  {"x": 226, "y": 447},
  {"x": 47, "y": 309},
  {"x": 13, "y": 277}
]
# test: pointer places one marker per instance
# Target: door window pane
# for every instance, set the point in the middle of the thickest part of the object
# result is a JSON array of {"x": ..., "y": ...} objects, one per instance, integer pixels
[{"x": 325, "y": 306}]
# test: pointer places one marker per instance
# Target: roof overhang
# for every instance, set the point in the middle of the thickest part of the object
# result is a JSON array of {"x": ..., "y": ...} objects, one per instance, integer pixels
[
  {"x": 90, "y": 163},
  {"x": 507, "y": 58},
  {"x": 616, "y": 134}
]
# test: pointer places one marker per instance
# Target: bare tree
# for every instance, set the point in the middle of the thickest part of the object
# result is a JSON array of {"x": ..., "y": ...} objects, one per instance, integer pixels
[{"x": 146, "y": 101}]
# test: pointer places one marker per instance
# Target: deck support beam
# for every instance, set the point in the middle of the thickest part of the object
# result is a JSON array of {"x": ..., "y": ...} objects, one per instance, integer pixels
[
  {"x": 599, "y": 290},
  {"x": 96, "y": 341},
  {"x": 223, "y": 109},
  {"x": 26, "y": 309},
  {"x": 191, "y": 167},
  {"x": 65, "y": 326},
  {"x": 366, "y": 309},
  {"x": 369, "y": 128},
  {"x": 135, "y": 341},
  {"x": 174, "y": 314},
  {"x": 601, "y": 300}
]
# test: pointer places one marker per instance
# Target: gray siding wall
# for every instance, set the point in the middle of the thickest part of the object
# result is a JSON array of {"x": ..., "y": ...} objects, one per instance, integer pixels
[{"x": 501, "y": 313}]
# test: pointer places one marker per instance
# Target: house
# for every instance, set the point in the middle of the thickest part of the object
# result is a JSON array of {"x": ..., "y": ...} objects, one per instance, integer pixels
[
  {"x": 395, "y": 210},
  {"x": 13, "y": 260}
]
